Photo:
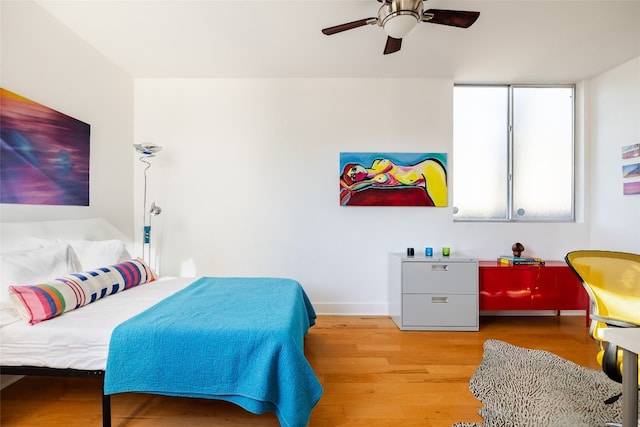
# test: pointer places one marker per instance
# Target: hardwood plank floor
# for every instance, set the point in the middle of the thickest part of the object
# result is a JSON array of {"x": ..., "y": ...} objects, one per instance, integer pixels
[{"x": 372, "y": 374}]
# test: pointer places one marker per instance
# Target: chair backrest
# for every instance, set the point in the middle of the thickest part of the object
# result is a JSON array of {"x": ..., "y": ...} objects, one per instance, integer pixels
[{"x": 612, "y": 280}]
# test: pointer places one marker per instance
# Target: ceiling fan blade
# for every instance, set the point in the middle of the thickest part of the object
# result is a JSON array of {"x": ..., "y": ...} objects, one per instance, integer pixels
[
  {"x": 454, "y": 18},
  {"x": 349, "y": 26},
  {"x": 393, "y": 45}
]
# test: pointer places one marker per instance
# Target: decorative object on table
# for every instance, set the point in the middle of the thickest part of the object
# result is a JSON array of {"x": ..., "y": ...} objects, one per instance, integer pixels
[
  {"x": 410, "y": 252},
  {"x": 526, "y": 387},
  {"x": 45, "y": 154},
  {"x": 517, "y": 258},
  {"x": 399, "y": 18},
  {"x": 446, "y": 251},
  {"x": 514, "y": 260},
  {"x": 428, "y": 251},
  {"x": 517, "y": 249},
  {"x": 147, "y": 151},
  {"x": 393, "y": 179}
]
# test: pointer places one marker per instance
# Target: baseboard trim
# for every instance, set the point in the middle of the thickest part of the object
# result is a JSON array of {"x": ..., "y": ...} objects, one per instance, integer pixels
[
  {"x": 325, "y": 308},
  {"x": 532, "y": 313},
  {"x": 353, "y": 309}
]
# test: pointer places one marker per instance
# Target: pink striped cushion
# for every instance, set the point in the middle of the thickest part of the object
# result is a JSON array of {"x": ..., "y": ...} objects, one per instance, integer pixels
[{"x": 48, "y": 300}]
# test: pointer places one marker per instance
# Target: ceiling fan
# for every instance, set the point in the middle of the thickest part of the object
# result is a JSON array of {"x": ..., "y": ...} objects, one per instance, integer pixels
[{"x": 398, "y": 18}]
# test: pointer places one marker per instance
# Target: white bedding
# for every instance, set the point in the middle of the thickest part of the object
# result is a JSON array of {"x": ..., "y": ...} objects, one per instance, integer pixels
[{"x": 79, "y": 339}]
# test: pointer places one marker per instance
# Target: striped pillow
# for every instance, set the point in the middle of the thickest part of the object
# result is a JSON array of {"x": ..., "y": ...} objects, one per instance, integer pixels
[{"x": 48, "y": 300}]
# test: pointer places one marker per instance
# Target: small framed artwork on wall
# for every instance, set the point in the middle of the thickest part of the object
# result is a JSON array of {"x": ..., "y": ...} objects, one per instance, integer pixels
[
  {"x": 393, "y": 179},
  {"x": 631, "y": 169}
]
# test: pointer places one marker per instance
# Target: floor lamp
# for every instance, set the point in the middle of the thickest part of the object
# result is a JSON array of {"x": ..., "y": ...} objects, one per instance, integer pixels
[{"x": 147, "y": 151}]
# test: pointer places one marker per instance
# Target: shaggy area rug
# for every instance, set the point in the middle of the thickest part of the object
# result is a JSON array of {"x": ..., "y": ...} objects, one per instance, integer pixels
[{"x": 521, "y": 387}]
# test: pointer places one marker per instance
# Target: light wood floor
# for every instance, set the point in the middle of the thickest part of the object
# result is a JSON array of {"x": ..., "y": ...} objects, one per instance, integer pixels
[{"x": 372, "y": 374}]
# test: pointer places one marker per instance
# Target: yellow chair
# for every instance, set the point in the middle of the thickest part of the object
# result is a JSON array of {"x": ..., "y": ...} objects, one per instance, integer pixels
[{"x": 612, "y": 280}]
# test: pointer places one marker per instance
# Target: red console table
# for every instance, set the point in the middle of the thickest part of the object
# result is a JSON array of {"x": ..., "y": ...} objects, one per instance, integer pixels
[{"x": 552, "y": 286}]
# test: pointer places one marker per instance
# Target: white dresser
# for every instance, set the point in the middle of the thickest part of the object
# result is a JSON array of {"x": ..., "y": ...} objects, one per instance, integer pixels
[{"x": 433, "y": 293}]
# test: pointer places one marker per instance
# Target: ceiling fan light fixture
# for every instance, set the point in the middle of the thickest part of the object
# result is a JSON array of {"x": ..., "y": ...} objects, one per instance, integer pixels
[
  {"x": 401, "y": 23},
  {"x": 398, "y": 18}
]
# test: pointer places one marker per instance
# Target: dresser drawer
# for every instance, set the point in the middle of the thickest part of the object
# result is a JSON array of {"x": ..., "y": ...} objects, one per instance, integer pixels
[
  {"x": 439, "y": 310},
  {"x": 440, "y": 277}
]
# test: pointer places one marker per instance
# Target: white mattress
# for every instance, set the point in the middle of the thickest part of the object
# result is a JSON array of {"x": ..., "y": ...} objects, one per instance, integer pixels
[{"x": 79, "y": 339}]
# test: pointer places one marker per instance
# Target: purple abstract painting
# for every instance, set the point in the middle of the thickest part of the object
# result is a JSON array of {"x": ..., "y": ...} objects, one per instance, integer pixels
[{"x": 45, "y": 154}]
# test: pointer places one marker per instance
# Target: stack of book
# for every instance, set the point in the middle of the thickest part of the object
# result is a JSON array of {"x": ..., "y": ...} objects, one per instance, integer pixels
[{"x": 515, "y": 260}]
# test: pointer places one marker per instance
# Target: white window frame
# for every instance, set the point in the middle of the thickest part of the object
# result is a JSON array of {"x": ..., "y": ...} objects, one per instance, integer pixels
[{"x": 510, "y": 215}]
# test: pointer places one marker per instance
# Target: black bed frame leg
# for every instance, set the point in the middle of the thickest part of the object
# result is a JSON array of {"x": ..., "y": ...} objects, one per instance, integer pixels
[{"x": 106, "y": 410}]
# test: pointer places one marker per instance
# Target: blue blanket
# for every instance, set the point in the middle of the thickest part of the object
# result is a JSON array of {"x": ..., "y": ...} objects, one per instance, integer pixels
[{"x": 234, "y": 339}]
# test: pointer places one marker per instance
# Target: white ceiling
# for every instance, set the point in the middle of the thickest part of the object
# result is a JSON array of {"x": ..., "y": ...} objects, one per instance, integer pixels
[{"x": 550, "y": 41}]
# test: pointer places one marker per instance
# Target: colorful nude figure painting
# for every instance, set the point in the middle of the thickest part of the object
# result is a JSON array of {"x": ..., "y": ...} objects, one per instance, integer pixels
[
  {"x": 45, "y": 154},
  {"x": 393, "y": 179}
]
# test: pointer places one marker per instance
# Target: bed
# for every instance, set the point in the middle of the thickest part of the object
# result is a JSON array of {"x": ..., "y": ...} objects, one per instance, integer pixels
[{"x": 239, "y": 339}]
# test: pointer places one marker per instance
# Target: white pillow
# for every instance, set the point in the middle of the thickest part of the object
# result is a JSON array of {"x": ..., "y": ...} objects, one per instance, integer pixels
[
  {"x": 94, "y": 254},
  {"x": 32, "y": 266},
  {"x": 15, "y": 244}
]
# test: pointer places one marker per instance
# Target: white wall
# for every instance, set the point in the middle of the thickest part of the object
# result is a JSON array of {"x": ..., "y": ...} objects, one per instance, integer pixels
[
  {"x": 248, "y": 180},
  {"x": 45, "y": 62},
  {"x": 615, "y": 122},
  {"x": 248, "y": 177}
]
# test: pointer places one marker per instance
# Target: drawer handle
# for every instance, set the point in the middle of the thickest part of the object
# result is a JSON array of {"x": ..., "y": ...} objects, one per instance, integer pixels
[
  {"x": 440, "y": 300},
  {"x": 439, "y": 267}
]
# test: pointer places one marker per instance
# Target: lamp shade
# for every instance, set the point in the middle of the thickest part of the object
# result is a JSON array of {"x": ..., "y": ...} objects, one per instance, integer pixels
[
  {"x": 400, "y": 24},
  {"x": 155, "y": 209},
  {"x": 147, "y": 149}
]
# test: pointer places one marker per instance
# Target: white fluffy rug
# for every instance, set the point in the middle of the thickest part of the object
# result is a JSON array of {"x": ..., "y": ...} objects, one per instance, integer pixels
[{"x": 522, "y": 387}]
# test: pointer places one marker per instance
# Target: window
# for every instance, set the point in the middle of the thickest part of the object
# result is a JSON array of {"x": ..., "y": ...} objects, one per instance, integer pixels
[{"x": 513, "y": 153}]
